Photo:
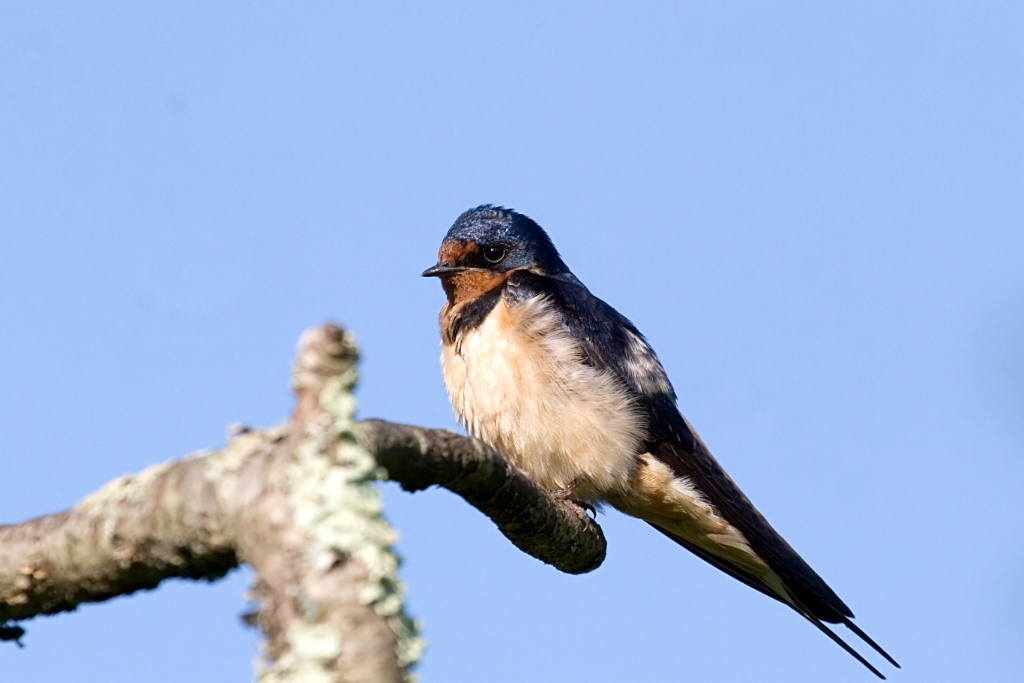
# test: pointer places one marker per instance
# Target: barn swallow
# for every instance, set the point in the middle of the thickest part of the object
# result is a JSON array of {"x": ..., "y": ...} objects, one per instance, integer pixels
[{"x": 568, "y": 390}]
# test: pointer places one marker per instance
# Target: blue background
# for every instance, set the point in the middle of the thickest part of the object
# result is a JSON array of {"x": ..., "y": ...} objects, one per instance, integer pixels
[{"x": 813, "y": 212}]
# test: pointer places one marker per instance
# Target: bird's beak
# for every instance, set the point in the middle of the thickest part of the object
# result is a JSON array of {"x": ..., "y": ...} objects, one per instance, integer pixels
[{"x": 440, "y": 270}]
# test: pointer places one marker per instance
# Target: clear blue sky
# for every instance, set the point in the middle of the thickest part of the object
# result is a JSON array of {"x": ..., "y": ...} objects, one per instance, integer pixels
[{"x": 814, "y": 211}]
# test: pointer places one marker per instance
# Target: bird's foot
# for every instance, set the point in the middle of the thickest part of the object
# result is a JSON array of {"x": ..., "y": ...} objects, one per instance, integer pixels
[{"x": 567, "y": 496}]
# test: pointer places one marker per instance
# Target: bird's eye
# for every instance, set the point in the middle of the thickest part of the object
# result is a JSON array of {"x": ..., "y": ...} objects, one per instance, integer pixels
[{"x": 494, "y": 253}]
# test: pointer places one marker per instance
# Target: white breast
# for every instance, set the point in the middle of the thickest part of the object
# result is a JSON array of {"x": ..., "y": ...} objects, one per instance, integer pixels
[{"x": 517, "y": 381}]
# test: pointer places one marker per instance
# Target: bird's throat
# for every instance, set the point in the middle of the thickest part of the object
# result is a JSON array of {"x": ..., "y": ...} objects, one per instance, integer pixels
[{"x": 469, "y": 285}]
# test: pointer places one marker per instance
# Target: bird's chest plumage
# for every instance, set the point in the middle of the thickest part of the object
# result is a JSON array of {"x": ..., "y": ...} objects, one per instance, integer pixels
[{"x": 518, "y": 381}]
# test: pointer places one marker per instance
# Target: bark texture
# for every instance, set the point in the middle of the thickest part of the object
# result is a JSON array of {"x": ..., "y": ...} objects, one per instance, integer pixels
[{"x": 298, "y": 504}]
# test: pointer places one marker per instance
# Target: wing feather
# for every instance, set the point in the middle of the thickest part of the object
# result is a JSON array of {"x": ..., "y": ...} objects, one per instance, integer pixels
[{"x": 608, "y": 340}]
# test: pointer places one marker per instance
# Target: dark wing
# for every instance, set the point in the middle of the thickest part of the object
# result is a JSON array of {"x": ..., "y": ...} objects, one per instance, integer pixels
[
  {"x": 674, "y": 442},
  {"x": 608, "y": 340}
]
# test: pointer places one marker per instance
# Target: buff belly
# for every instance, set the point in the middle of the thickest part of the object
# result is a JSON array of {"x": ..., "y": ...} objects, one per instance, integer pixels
[{"x": 518, "y": 382}]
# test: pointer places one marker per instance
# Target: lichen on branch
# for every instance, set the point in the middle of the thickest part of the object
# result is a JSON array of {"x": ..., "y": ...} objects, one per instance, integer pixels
[{"x": 298, "y": 503}]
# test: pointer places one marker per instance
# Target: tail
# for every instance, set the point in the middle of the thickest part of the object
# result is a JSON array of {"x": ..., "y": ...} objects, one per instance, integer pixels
[
  {"x": 778, "y": 590},
  {"x": 806, "y": 614}
]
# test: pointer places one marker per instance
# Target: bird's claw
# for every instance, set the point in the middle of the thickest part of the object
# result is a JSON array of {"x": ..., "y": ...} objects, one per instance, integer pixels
[{"x": 566, "y": 495}]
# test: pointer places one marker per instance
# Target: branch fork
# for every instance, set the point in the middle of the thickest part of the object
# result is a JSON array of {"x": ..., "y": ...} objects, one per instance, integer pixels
[{"x": 297, "y": 503}]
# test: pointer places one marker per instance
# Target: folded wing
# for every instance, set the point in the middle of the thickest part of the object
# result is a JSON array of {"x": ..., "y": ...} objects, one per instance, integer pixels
[{"x": 610, "y": 341}]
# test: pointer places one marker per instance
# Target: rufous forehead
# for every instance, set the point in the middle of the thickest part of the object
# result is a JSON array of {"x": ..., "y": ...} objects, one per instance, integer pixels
[{"x": 453, "y": 250}]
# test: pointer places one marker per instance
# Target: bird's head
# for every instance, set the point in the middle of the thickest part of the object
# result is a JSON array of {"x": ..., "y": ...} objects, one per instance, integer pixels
[{"x": 485, "y": 245}]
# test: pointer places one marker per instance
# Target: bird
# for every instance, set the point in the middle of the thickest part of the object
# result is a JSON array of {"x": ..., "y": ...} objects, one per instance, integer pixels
[{"x": 569, "y": 391}]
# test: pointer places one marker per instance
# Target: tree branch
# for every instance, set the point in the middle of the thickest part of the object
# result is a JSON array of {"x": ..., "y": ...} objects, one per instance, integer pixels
[
  {"x": 551, "y": 529},
  {"x": 298, "y": 505}
]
